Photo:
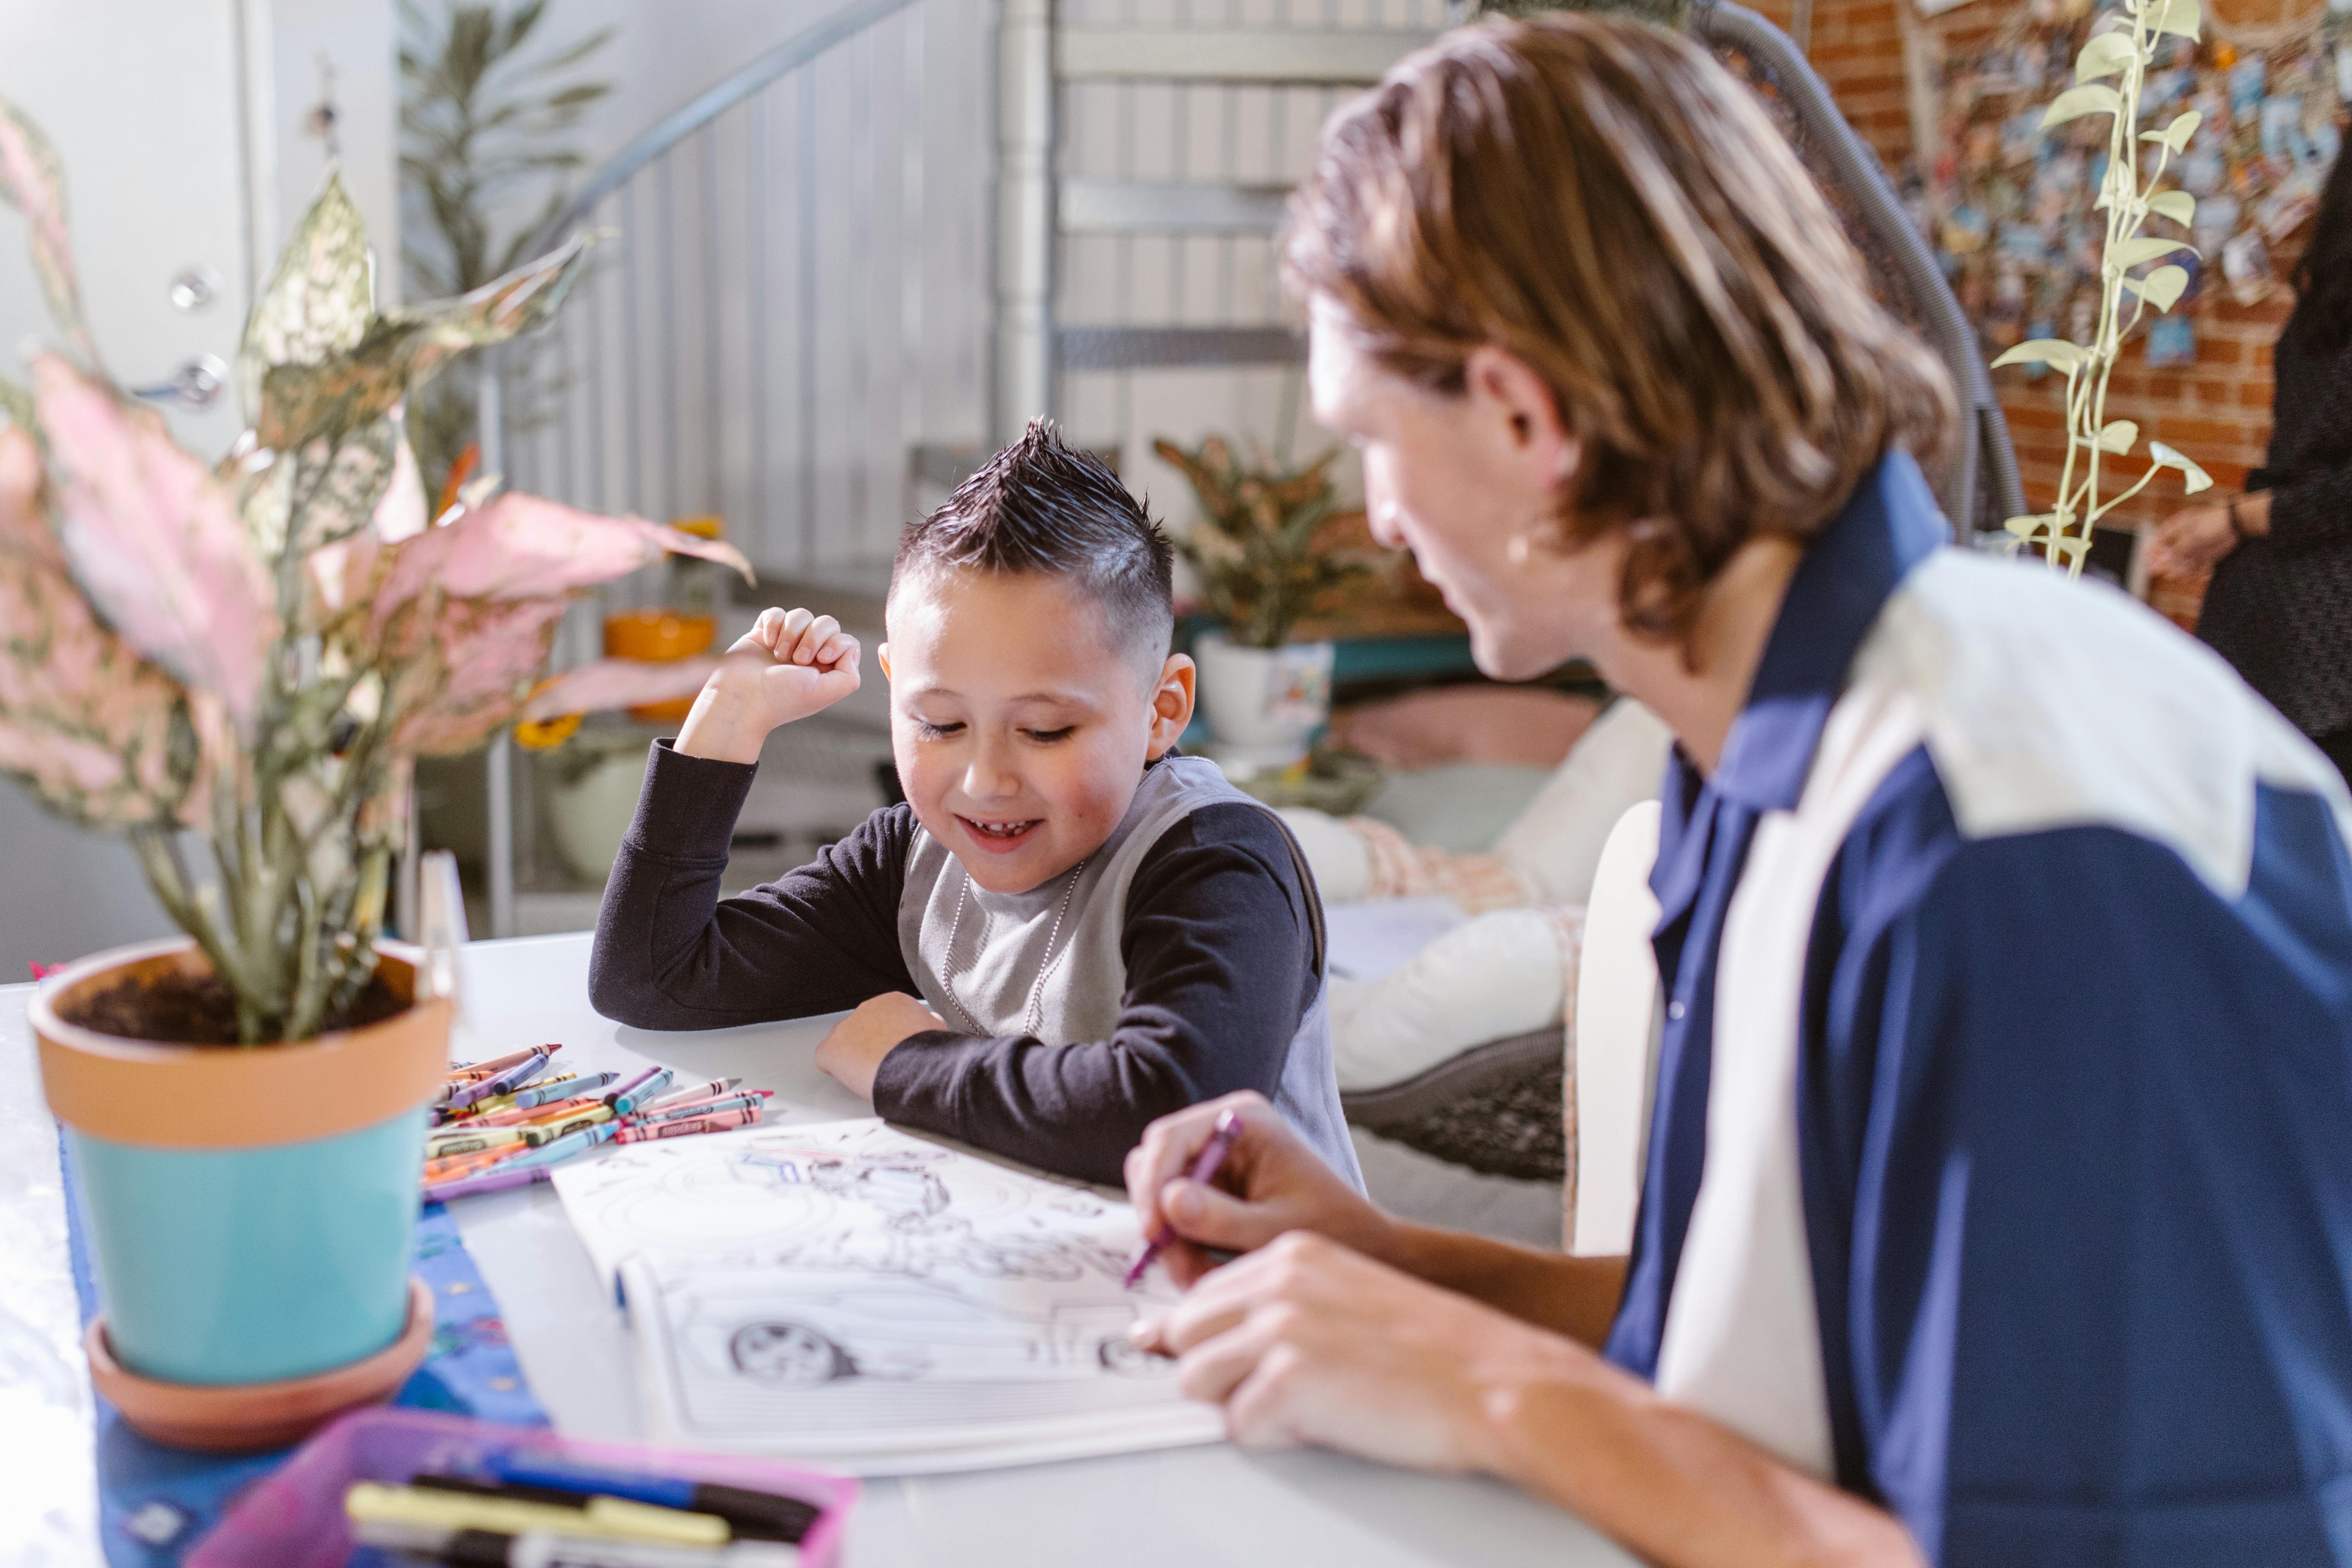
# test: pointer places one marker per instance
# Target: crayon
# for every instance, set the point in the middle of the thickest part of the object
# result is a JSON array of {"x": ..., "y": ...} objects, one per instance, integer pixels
[
  {"x": 494, "y": 1181},
  {"x": 637, "y": 1094},
  {"x": 631, "y": 1082},
  {"x": 472, "y": 1142},
  {"x": 519, "y": 1116},
  {"x": 474, "y": 1072},
  {"x": 699, "y": 1090},
  {"x": 500, "y": 1083},
  {"x": 545, "y": 1088},
  {"x": 668, "y": 1111},
  {"x": 457, "y": 1165},
  {"x": 574, "y": 1084},
  {"x": 642, "y": 1133},
  {"x": 540, "y": 1135},
  {"x": 565, "y": 1147}
]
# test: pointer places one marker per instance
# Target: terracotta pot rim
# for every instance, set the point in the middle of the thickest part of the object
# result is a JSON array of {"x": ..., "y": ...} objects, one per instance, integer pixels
[
  {"x": 83, "y": 970},
  {"x": 172, "y": 1095}
]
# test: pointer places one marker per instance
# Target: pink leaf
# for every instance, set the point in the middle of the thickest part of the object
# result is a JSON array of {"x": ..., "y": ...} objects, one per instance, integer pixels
[
  {"x": 155, "y": 540},
  {"x": 522, "y": 546},
  {"x": 100, "y": 735},
  {"x": 617, "y": 683},
  {"x": 473, "y": 673},
  {"x": 32, "y": 182}
]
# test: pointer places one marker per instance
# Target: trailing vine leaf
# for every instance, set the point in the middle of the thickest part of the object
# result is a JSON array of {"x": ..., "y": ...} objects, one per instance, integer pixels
[
  {"x": 2177, "y": 206},
  {"x": 2042, "y": 351},
  {"x": 2077, "y": 101},
  {"x": 2176, "y": 135},
  {"x": 32, "y": 182},
  {"x": 2128, "y": 253},
  {"x": 2117, "y": 435},
  {"x": 318, "y": 302},
  {"x": 100, "y": 735},
  {"x": 2194, "y": 479},
  {"x": 154, "y": 540},
  {"x": 2162, "y": 288},
  {"x": 2106, "y": 54},
  {"x": 2182, "y": 18}
]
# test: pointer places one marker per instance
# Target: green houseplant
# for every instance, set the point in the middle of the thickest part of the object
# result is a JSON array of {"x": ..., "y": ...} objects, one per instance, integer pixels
[
  {"x": 245, "y": 658},
  {"x": 2109, "y": 73},
  {"x": 1260, "y": 566}
]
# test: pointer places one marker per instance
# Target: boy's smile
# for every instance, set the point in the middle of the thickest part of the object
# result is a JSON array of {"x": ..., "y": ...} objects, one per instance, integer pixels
[{"x": 1020, "y": 727}]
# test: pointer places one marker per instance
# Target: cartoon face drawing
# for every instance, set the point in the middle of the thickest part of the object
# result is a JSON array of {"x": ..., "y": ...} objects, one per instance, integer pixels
[{"x": 785, "y": 1353}]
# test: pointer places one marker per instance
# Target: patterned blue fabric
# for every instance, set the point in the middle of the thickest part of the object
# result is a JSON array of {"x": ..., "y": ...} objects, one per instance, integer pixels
[
  {"x": 155, "y": 1502},
  {"x": 2074, "y": 1135}
]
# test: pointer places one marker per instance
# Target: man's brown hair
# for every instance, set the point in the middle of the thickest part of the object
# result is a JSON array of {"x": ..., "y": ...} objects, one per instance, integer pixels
[{"x": 1604, "y": 200}]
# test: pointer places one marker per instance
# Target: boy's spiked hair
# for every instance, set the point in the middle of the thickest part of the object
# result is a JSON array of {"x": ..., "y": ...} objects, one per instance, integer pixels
[{"x": 1040, "y": 506}]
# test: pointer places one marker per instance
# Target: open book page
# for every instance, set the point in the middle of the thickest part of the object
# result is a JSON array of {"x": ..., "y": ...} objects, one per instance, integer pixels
[{"x": 850, "y": 1295}]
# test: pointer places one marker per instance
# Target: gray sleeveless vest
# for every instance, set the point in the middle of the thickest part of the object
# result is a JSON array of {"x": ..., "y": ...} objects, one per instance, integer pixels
[{"x": 1000, "y": 947}]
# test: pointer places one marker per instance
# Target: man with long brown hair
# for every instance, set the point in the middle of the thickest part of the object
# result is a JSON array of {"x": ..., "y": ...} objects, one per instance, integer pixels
[{"x": 1998, "y": 1201}]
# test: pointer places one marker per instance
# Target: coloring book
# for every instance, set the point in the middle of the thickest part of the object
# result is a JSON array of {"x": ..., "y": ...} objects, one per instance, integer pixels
[{"x": 857, "y": 1297}]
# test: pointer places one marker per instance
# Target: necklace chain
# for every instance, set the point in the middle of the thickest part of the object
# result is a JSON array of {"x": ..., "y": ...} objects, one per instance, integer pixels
[{"x": 1034, "y": 1015}]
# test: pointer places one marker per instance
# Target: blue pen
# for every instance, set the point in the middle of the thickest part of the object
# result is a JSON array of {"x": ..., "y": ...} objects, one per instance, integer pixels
[
  {"x": 637, "y": 1093},
  {"x": 752, "y": 1515}
]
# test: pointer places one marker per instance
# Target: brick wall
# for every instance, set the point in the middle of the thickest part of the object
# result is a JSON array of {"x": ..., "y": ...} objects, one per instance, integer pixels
[{"x": 2216, "y": 410}]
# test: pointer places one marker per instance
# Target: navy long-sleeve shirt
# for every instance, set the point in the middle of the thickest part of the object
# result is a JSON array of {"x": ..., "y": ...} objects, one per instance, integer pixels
[{"x": 1217, "y": 943}]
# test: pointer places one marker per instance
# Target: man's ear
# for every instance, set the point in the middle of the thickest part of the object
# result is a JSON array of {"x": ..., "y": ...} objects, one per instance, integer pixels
[
  {"x": 882, "y": 658},
  {"x": 1520, "y": 404},
  {"x": 1171, "y": 705}
]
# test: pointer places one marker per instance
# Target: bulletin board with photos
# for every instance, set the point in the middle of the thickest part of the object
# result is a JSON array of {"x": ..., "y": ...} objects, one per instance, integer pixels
[{"x": 2010, "y": 205}]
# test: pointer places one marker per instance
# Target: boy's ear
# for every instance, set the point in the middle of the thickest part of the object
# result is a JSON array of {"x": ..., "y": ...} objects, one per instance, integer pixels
[
  {"x": 1172, "y": 704},
  {"x": 882, "y": 658}
]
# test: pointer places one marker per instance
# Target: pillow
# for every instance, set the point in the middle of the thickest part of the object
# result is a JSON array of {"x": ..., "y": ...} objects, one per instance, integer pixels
[
  {"x": 1504, "y": 973},
  {"x": 1556, "y": 843}
]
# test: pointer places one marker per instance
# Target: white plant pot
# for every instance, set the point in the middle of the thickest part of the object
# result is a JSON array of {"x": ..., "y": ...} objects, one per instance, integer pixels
[
  {"x": 1264, "y": 704},
  {"x": 588, "y": 816}
]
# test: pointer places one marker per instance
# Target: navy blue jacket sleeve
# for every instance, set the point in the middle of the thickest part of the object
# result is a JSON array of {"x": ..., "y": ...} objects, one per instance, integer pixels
[
  {"x": 2080, "y": 1215},
  {"x": 1219, "y": 953},
  {"x": 670, "y": 954}
]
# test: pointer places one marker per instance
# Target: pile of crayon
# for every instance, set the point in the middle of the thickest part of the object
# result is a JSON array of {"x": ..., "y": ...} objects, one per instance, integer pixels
[
  {"x": 499, "y": 1124},
  {"x": 535, "y": 1511}
]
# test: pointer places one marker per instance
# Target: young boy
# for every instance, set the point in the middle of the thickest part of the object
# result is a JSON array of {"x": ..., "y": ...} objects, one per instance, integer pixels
[{"x": 1101, "y": 930}]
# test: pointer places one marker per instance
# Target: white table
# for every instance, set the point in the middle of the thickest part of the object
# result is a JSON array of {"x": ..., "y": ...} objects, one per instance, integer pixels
[{"x": 1193, "y": 1507}]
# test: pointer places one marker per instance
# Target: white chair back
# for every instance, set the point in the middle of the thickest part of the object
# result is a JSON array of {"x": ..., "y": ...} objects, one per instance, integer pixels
[{"x": 1618, "y": 1018}]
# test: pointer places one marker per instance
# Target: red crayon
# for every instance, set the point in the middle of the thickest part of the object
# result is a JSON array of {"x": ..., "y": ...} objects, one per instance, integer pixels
[{"x": 644, "y": 1132}]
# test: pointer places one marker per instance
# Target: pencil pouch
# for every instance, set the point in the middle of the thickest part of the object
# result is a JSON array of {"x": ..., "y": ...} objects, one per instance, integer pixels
[{"x": 294, "y": 1518}]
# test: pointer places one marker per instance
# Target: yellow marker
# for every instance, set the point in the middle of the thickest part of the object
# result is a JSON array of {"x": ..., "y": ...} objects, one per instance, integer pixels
[{"x": 603, "y": 1518}]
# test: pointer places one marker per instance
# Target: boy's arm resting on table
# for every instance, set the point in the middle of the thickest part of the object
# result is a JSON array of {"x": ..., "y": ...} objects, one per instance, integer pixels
[
  {"x": 671, "y": 954},
  {"x": 1218, "y": 949}
]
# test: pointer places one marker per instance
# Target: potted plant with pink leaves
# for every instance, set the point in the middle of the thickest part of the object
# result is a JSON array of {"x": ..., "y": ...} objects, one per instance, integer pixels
[{"x": 236, "y": 663}]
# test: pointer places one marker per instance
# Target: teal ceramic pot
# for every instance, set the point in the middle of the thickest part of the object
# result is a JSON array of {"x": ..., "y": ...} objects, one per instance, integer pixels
[{"x": 249, "y": 1210}]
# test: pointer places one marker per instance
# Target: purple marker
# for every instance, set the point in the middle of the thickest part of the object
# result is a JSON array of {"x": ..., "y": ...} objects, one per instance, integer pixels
[
  {"x": 494, "y": 1180},
  {"x": 515, "y": 1077},
  {"x": 1205, "y": 1166}
]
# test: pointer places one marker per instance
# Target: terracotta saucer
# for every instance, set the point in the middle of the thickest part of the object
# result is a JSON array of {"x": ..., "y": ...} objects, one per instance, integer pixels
[{"x": 248, "y": 1417}]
